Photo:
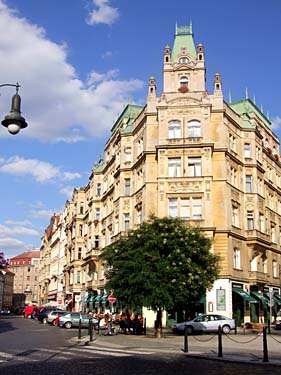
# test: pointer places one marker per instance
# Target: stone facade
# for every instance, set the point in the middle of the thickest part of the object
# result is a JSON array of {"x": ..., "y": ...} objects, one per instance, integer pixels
[
  {"x": 186, "y": 153},
  {"x": 25, "y": 266}
]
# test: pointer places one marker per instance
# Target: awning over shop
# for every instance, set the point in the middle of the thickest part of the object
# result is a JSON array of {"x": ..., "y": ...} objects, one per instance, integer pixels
[
  {"x": 92, "y": 299},
  {"x": 260, "y": 297},
  {"x": 245, "y": 295},
  {"x": 104, "y": 298},
  {"x": 203, "y": 300},
  {"x": 278, "y": 298},
  {"x": 274, "y": 298},
  {"x": 98, "y": 299}
]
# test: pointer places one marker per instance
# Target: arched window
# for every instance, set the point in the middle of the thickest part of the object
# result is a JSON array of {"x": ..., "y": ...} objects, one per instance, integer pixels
[
  {"x": 183, "y": 60},
  {"x": 174, "y": 129},
  {"x": 194, "y": 129},
  {"x": 184, "y": 82}
]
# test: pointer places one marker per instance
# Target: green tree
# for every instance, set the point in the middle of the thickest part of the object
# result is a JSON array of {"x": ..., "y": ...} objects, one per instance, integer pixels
[{"x": 162, "y": 264}]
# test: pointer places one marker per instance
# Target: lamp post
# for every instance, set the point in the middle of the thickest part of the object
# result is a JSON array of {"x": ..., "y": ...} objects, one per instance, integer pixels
[{"x": 14, "y": 122}]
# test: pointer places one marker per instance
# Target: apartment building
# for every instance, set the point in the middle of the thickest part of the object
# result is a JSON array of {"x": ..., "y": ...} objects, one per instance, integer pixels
[
  {"x": 25, "y": 266},
  {"x": 52, "y": 262},
  {"x": 186, "y": 153}
]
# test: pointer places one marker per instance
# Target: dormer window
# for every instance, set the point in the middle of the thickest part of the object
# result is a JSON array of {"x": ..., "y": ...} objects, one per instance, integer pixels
[{"x": 183, "y": 60}]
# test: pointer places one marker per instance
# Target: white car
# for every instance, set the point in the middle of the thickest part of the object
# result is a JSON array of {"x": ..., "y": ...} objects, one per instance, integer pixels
[{"x": 206, "y": 323}]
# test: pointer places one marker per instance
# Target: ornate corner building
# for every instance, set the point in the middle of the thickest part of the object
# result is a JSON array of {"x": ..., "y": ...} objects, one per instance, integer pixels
[{"x": 186, "y": 153}]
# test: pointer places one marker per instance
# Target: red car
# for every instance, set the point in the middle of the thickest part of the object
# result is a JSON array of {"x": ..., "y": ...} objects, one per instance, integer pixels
[{"x": 31, "y": 311}]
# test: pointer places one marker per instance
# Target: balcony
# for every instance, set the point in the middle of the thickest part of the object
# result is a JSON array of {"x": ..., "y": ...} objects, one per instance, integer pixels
[
  {"x": 258, "y": 277},
  {"x": 257, "y": 235}
]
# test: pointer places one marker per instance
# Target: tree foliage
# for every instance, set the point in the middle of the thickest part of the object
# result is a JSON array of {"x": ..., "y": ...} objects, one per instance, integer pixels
[{"x": 161, "y": 264}]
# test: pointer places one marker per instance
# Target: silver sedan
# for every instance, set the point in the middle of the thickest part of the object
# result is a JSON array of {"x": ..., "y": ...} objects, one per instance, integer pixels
[{"x": 206, "y": 323}]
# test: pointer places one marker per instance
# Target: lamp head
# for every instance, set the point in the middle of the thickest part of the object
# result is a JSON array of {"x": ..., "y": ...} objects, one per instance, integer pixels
[{"x": 14, "y": 121}]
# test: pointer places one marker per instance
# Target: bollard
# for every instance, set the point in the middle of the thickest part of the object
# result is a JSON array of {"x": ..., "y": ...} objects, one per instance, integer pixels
[
  {"x": 220, "y": 342},
  {"x": 91, "y": 329},
  {"x": 265, "y": 350},
  {"x": 79, "y": 330},
  {"x": 185, "y": 346},
  {"x": 144, "y": 326},
  {"x": 235, "y": 329}
]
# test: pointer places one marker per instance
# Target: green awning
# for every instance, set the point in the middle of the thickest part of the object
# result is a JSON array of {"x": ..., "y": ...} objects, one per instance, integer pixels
[
  {"x": 275, "y": 298},
  {"x": 278, "y": 298},
  {"x": 104, "y": 298},
  {"x": 98, "y": 299},
  {"x": 245, "y": 295},
  {"x": 203, "y": 299},
  {"x": 92, "y": 299},
  {"x": 260, "y": 297}
]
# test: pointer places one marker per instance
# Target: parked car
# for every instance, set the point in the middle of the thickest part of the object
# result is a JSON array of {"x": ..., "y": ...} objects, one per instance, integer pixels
[
  {"x": 54, "y": 314},
  {"x": 278, "y": 324},
  {"x": 71, "y": 319},
  {"x": 32, "y": 311},
  {"x": 206, "y": 323},
  {"x": 5, "y": 311},
  {"x": 43, "y": 313}
]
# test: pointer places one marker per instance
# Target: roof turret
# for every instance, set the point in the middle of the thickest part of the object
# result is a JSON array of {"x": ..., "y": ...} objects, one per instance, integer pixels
[{"x": 183, "y": 43}]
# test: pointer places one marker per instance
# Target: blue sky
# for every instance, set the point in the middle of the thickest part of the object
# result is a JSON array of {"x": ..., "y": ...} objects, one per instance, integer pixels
[{"x": 80, "y": 61}]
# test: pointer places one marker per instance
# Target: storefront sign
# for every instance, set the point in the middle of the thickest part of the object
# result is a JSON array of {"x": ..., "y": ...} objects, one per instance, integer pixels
[{"x": 221, "y": 305}]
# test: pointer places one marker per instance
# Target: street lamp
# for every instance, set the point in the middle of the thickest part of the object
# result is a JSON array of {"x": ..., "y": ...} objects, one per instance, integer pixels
[{"x": 14, "y": 122}]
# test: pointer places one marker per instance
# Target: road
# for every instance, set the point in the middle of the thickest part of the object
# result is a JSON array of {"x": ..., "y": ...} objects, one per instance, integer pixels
[{"x": 29, "y": 347}]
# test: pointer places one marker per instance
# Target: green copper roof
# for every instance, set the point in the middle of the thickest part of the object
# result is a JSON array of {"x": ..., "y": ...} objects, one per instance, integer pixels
[
  {"x": 129, "y": 113},
  {"x": 244, "y": 108},
  {"x": 183, "y": 39}
]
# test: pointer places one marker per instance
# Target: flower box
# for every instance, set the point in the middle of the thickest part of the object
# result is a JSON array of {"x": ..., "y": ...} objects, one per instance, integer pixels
[{"x": 183, "y": 89}]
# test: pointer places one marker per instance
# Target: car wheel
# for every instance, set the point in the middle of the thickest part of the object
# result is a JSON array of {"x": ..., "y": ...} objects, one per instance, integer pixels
[
  {"x": 68, "y": 325},
  {"x": 189, "y": 330},
  {"x": 53, "y": 322},
  {"x": 226, "y": 329}
]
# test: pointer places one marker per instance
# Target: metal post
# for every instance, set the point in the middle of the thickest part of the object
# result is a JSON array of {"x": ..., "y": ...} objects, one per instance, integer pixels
[
  {"x": 144, "y": 326},
  {"x": 265, "y": 350},
  {"x": 79, "y": 330},
  {"x": 91, "y": 329},
  {"x": 220, "y": 342},
  {"x": 185, "y": 346}
]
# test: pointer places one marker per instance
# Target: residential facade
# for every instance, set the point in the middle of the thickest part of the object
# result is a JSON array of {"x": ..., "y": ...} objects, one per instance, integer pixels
[
  {"x": 187, "y": 153},
  {"x": 25, "y": 267},
  {"x": 52, "y": 261}
]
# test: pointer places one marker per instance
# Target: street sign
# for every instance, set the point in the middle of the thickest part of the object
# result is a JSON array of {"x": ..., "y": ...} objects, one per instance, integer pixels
[{"x": 111, "y": 299}]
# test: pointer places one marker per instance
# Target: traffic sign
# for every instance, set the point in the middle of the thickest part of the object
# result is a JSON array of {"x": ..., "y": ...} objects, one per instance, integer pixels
[{"x": 111, "y": 299}]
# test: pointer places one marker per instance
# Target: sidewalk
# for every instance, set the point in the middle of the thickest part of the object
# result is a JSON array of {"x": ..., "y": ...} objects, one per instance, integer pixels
[{"x": 235, "y": 348}]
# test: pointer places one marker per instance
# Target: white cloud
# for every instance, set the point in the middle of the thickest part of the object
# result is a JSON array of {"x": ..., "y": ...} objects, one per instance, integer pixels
[
  {"x": 276, "y": 123},
  {"x": 67, "y": 191},
  {"x": 41, "y": 171},
  {"x": 13, "y": 247},
  {"x": 104, "y": 13},
  {"x": 18, "y": 230},
  {"x": 26, "y": 223},
  {"x": 95, "y": 77},
  {"x": 57, "y": 105},
  {"x": 42, "y": 214}
]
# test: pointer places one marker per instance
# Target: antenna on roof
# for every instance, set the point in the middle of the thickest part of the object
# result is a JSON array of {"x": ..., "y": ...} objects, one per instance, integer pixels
[
  {"x": 229, "y": 97},
  {"x": 254, "y": 99},
  {"x": 246, "y": 96}
]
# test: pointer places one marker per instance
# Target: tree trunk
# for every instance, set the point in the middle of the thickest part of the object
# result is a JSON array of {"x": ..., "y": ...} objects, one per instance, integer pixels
[{"x": 158, "y": 328}]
